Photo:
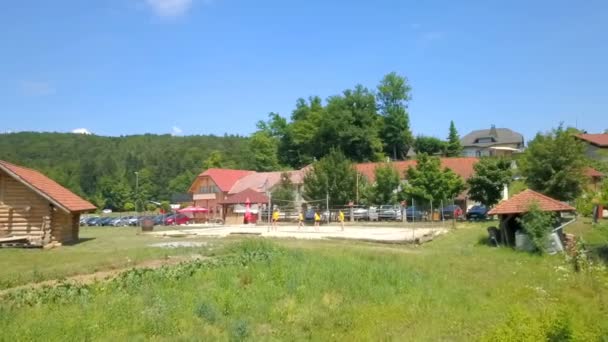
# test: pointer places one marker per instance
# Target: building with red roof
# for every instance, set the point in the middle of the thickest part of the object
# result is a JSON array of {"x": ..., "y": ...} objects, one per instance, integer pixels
[
  {"x": 510, "y": 210},
  {"x": 596, "y": 144},
  {"x": 218, "y": 189},
  {"x": 36, "y": 208}
]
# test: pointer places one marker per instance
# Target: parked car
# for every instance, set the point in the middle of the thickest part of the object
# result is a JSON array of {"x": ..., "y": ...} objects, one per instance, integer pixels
[
  {"x": 90, "y": 221},
  {"x": 177, "y": 219},
  {"x": 360, "y": 214},
  {"x": 309, "y": 216},
  {"x": 159, "y": 220},
  {"x": 413, "y": 214},
  {"x": 451, "y": 212},
  {"x": 389, "y": 212},
  {"x": 118, "y": 222},
  {"x": 477, "y": 212}
]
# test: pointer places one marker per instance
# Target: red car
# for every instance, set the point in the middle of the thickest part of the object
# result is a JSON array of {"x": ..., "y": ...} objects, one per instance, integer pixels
[{"x": 178, "y": 219}]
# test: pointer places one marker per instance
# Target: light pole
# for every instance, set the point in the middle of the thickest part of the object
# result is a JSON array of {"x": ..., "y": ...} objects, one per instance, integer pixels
[{"x": 137, "y": 194}]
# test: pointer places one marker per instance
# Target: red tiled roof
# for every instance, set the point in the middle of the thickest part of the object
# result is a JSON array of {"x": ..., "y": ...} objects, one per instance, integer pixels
[
  {"x": 242, "y": 197},
  {"x": 521, "y": 202},
  {"x": 462, "y": 166},
  {"x": 591, "y": 172},
  {"x": 225, "y": 178},
  {"x": 600, "y": 140},
  {"x": 262, "y": 181},
  {"x": 47, "y": 187}
]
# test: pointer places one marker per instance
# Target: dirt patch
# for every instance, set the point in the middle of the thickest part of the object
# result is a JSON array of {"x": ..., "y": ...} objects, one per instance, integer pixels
[{"x": 90, "y": 278}]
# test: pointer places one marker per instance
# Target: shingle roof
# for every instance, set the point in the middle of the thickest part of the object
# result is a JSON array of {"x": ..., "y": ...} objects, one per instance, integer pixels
[
  {"x": 520, "y": 203},
  {"x": 225, "y": 178},
  {"x": 502, "y": 136},
  {"x": 600, "y": 140},
  {"x": 47, "y": 187},
  {"x": 462, "y": 166},
  {"x": 250, "y": 195},
  {"x": 262, "y": 181}
]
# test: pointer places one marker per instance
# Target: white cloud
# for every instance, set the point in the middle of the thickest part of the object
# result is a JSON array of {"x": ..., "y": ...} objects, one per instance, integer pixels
[
  {"x": 175, "y": 131},
  {"x": 170, "y": 8},
  {"x": 36, "y": 88},
  {"x": 81, "y": 131}
]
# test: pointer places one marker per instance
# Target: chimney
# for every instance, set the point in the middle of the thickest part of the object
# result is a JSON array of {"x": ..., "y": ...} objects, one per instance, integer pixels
[{"x": 493, "y": 132}]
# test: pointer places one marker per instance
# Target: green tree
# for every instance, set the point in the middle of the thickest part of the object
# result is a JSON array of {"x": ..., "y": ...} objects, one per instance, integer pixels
[
  {"x": 491, "y": 176},
  {"x": 165, "y": 206},
  {"x": 428, "y": 182},
  {"x": 350, "y": 123},
  {"x": 333, "y": 174},
  {"x": 215, "y": 160},
  {"x": 538, "y": 225},
  {"x": 453, "y": 146},
  {"x": 386, "y": 185},
  {"x": 263, "y": 150},
  {"x": 393, "y": 95},
  {"x": 115, "y": 193},
  {"x": 283, "y": 193},
  {"x": 429, "y": 145},
  {"x": 299, "y": 147},
  {"x": 553, "y": 164}
]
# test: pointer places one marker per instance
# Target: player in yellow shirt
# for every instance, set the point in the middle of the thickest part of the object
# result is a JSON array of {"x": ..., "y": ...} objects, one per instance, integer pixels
[
  {"x": 275, "y": 219},
  {"x": 341, "y": 219},
  {"x": 300, "y": 220},
  {"x": 317, "y": 221}
]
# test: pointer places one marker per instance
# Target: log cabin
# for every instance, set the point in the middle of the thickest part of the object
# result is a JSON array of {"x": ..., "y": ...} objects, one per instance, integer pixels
[{"x": 36, "y": 209}]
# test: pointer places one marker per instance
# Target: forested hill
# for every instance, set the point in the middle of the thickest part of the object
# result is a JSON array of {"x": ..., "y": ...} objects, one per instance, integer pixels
[{"x": 102, "y": 169}]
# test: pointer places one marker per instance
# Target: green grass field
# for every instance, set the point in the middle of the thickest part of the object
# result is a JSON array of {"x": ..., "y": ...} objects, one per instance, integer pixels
[{"x": 454, "y": 288}]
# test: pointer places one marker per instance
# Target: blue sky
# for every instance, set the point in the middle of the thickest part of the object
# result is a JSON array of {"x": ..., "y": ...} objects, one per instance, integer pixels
[{"x": 121, "y": 67}]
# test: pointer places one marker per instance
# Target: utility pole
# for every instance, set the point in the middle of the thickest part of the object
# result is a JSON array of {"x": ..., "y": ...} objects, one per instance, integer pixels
[
  {"x": 137, "y": 196},
  {"x": 327, "y": 206},
  {"x": 269, "y": 210}
]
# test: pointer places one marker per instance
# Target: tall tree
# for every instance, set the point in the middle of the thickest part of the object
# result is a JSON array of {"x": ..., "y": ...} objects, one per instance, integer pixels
[
  {"x": 429, "y": 145},
  {"x": 553, "y": 164},
  {"x": 393, "y": 95},
  {"x": 350, "y": 123},
  {"x": 283, "y": 193},
  {"x": 386, "y": 185},
  {"x": 427, "y": 181},
  {"x": 332, "y": 175},
  {"x": 490, "y": 178},
  {"x": 453, "y": 146},
  {"x": 263, "y": 150}
]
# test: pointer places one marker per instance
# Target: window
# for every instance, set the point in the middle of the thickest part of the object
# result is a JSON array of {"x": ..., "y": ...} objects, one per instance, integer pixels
[{"x": 485, "y": 140}]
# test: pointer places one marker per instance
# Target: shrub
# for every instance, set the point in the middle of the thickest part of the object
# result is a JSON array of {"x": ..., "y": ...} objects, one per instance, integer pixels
[
  {"x": 239, "y": 330},
  {"x": 537, "y": 224},
  {"x": 584, "y": 205},
  {"x": 207, "y": 312}
]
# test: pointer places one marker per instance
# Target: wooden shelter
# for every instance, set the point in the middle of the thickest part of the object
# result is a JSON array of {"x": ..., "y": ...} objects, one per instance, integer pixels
[
  {"x": 518, "y": 205},
  {"x": 35, "y": 210},
  {"x": 234, "y": 205}
]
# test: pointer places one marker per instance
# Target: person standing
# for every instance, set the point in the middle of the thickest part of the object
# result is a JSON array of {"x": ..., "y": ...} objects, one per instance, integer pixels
[
  {"x": 275, "y": 219},
  {"x": 341, "y": 219},
  {"x": 300, "y": 220},
  {"x": 317, "y": 221}
]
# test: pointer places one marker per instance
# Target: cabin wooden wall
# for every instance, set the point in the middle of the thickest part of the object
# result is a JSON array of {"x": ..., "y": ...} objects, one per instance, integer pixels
[{"x": 24, "y": 212}]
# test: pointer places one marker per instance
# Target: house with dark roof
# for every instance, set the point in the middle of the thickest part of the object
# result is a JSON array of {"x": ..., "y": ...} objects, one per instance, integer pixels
[
  {"x": 596, "y": 144},
  {"x": 36, "y": 210},
  {"x": 492, "y": 142}
]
